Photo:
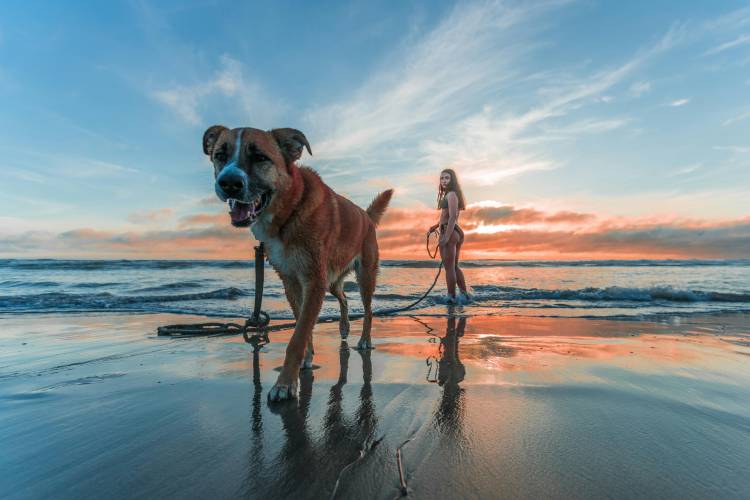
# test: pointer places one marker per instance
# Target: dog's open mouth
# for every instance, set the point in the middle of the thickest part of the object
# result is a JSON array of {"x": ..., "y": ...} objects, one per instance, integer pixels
[{"x": 244, "y": 214}]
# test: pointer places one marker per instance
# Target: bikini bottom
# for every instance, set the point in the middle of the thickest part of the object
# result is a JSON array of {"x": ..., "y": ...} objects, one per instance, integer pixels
[{"x": 443, "y": 227}]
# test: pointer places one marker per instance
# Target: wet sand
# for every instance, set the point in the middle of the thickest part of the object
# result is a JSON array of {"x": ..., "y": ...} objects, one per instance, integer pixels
[{"x": 484, "y": 407}]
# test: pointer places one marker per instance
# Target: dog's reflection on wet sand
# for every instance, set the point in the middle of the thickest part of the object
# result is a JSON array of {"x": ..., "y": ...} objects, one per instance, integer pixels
[
  {"x": 312, "y": 460},
  {"x": 310, "y": 463}
]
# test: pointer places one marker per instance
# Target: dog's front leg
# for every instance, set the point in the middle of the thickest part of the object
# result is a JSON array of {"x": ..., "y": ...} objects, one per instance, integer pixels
[
  {"x": 312, "y": 301},
  {"x": 293, "y": 290}
]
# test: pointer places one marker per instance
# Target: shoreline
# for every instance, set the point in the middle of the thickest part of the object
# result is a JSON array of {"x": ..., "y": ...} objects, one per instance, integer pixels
[{"x": 325, "y": 319}]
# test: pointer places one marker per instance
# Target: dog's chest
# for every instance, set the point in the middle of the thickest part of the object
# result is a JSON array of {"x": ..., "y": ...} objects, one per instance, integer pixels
[
  {"x": 281, "y": 260},
  {"x": 276, "y": 255}
]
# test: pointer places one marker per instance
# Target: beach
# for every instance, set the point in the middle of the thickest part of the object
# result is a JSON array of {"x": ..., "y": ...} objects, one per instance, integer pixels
[{"x": 486, "y": 406}]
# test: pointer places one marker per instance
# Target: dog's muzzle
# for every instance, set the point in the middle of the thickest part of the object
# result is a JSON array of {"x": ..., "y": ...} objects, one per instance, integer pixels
[
  {"x": 233, "y": 186},
  {"x": 244, "y": 214},
  {"x": 231, "y": 183}
]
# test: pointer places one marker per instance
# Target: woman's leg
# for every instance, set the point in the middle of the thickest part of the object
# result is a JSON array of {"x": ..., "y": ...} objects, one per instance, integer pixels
[
  {"x": 448, "y": 254},
  {"x": 460, "y": 274}
]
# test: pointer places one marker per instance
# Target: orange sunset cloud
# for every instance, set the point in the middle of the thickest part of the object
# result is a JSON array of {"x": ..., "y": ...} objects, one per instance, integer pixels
[{"x": 492, "y": 231}]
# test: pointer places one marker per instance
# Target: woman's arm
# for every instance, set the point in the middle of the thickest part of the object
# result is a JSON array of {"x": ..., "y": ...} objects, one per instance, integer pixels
[{"x": 452, "y": 216}]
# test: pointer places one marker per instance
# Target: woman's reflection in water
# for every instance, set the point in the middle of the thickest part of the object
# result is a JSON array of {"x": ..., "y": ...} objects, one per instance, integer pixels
[{"x": 451, "y": 372}]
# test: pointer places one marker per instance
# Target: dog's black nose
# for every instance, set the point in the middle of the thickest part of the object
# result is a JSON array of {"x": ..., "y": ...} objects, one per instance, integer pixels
[{"x": 232, "y": 184}]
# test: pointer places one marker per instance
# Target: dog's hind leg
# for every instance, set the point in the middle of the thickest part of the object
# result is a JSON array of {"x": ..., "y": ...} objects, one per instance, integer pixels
[
  {"x": 337, "y": 290},
  {"x": 367, "y": 272}
]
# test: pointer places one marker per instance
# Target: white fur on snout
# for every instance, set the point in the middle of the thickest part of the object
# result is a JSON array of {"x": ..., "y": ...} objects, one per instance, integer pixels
[{"x": 232, "y": 165}]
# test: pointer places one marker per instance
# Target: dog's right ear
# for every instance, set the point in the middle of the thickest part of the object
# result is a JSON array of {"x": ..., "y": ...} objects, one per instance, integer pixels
[
  {"x": 210, "y": 137},
  {"x": 291, "y": 141}
]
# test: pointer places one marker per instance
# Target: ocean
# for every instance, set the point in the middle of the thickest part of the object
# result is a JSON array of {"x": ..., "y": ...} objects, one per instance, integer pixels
[{"x": 603, "y": 289}]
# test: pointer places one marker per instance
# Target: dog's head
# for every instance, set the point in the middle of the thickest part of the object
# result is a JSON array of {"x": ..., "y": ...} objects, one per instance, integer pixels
[{"x": 252, "y": 166}]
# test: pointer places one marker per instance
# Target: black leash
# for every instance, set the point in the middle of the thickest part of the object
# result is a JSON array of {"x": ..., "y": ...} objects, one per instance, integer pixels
[
  {"x": 260, "y": 318},
  {"x": 257, "y": 326}
]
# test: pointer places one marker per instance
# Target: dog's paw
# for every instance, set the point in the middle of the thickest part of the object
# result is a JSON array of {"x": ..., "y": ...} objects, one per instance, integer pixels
[
  {"x": 364, "y": 344},
  {"x": 282, "y": 392}
]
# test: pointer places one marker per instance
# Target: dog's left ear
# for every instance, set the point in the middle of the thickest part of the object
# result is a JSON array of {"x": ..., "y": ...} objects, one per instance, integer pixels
[
  {"x": 210, "y": 137},
  {"x": 291, "y": 141}
]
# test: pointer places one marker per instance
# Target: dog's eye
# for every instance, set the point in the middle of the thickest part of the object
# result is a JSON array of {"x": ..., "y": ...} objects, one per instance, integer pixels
[{"x": 254, "y": 154}]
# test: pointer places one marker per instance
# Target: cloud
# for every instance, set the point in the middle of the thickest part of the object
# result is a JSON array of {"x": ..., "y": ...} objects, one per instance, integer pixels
[
  {"x": 229, "y": 81},
  {"x": 733, "y": 149},
  {"x": 211, "y": 200},
  {"x": 679, "y": 102},
  {"x": 736, "y": 119},
  {"x": 448, "y": 100},
  {"x": 688, "y": 169},
  {"x": 511, "y": 215},
  {"x": 638, "y": 241},
  {"x": 217, "y": 220},
  {"x": 527, "y": 232},
  {"x": 737, "y": 42},
  {"x": 493, "y": 230},
  {"x": 640, "y": 88},
  {"x": 151, "y": 216},
  {"x": 582, "y": 127},
  {"x": 185, "y": 100}
]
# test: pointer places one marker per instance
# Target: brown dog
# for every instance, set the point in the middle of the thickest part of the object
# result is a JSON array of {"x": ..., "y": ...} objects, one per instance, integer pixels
[{"x": 314, "y": 236}]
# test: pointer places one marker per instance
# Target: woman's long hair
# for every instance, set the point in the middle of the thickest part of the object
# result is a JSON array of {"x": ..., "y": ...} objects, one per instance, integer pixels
[{"x": 454, "y": 186}]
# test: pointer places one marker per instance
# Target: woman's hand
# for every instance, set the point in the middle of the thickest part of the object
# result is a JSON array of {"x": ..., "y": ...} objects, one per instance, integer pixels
[{"x": 443, "y": 240}]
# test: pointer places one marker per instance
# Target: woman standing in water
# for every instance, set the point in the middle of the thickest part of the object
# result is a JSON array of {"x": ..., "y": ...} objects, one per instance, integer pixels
[{"x": 450, "y": 202}]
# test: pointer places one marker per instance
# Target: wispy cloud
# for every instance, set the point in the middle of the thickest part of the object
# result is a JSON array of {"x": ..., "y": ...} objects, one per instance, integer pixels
[
  {"x": 467, "y": 60},
  {"x": 448, "y": 100},
  {"x": 738, "y": 118},
  {"x": 186, "y": 100},
  {"x": 47, "y": 166},
  {"x": 250, "y": 103},
  {"x": 151, "y": 216},
  {"x": 688, "y": 169},
  {"x": 495, "y": 146},
  {"x": 737, "y": 42},
  {"x": 679, "y": 102},
  {"x": 733, "y": 149},
  {"x": 640, "y": 88}
]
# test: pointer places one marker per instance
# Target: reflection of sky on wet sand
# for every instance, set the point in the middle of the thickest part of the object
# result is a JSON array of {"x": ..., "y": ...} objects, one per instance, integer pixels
[
  {"x": 512, "y": 349},
  {"x": 479, "y": 407}
]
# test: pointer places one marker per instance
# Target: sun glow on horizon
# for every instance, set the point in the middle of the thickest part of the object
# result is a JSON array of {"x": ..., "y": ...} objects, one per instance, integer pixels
[{"x": 493, "y": 228}]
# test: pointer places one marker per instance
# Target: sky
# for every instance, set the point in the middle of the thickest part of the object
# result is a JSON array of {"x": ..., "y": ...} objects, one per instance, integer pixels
[{"x": 579, "y": 129}]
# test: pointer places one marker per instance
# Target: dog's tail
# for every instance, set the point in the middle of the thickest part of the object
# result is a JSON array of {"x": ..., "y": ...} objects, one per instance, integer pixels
[{"x": 378, "y": 206}]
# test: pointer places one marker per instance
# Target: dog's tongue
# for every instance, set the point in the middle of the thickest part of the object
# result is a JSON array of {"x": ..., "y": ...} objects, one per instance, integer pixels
[{"x": 240, "y": 212}]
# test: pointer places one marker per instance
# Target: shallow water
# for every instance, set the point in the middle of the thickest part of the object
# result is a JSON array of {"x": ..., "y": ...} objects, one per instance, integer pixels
[
  {"x": 480, "y": 407},
  {"x": 633, "y": 289}
]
